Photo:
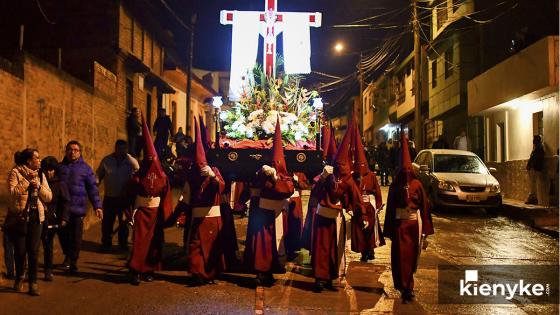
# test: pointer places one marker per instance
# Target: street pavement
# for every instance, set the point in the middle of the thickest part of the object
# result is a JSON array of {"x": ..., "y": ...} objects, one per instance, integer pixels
[{"x": 101, "y": 285}]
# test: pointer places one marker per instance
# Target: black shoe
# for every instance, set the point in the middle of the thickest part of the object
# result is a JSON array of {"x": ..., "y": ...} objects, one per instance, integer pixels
[
  {"x": 197, "y": 281},
  {"x": 407, "y": 296},
  {"x": 123, "y": 248},
  {"x": 73, "y": 269},
  {"x": 329, "y": 286},
  {"x": 18, "y": 285},
  {"x": 149, "y": 277},
  {"x": 105, "y": 248},
  {"x": 364, "y": 257},
  {"x": 33, "y": 289},
  {"x": 66, "y": 263},
  {"x": 318, "y": 288},
  {"x": 48, "y": 275},
  {"x": 134, "y": 278}
]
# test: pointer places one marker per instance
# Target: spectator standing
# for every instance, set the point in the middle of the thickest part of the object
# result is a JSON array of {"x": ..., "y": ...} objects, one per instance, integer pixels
[
  {"x": 163, "y": 129},
  {"x": 535, "y": 169},
  {"x": 29, "y": 192},
  {"x": 462, "y": 142},
  {"x": 383, "y": 161},
  {"x": 56, "y": 213},
  {"x": 440, "y": 143},
  {"x": 134, "y": 131},
  {"x": 81, "y": 182},
  {"x": 115, "y": 171},
  {"x": 179, "y": 135}
]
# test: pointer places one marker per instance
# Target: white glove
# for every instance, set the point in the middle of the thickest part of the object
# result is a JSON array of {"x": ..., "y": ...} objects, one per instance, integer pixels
[
  {"x": 366, "y": 224},
  {"x": 207, "y": 171},
  {"x": 351, "y": 213},
  {"x": 327, "y": 170},
  {"x": 296, "y": 178},
  {"x": 268, "y": 171}
]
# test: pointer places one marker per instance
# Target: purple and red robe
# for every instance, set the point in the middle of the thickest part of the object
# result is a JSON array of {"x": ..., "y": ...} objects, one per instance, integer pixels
[
  {"x": 229, "y": 228},
  {"x": 367, "y": 239},
  {"x": 150, "y": 218},
  {"x": 404, "y": 225},
  {"x": 206, "y": 241},
  {"x": 307, "y": 233},
  {"x": 293, "y": 216},
  {"x": 264, "y": 247},
  {"x": 329, "y": 229}
]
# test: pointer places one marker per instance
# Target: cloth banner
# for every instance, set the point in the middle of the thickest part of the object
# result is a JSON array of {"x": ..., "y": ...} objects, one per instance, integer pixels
[
  {"x": 244, "y": 48},
  {"x": 297, "y": 45}
]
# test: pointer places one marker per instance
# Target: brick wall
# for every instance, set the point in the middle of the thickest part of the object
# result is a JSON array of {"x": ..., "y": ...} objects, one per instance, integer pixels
[{"x": 47, "y": 107}]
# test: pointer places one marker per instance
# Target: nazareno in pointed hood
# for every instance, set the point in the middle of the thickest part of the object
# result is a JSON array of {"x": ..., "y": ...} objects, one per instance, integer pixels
[
  {"x": 407, "y": 197},
  {"x": 152, "y": 177},
  {"x": 360, "y": 161},
  {"x": 204, "y": 134},
  {"x": 199, "y": 151},
  {"x": 278, "y": 161},
  {"x": 342, "y": 167}
]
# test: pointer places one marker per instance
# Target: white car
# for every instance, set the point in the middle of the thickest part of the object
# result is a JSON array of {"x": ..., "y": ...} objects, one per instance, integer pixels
[{"x": 455, "y": 178}]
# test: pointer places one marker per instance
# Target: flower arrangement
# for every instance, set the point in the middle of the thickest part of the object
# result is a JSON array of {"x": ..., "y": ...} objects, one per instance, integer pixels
[{"x": 254, "y": 115}]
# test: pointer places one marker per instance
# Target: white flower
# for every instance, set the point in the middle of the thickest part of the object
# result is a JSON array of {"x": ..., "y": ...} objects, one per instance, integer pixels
[
  {"x": 297, "y": 136},
  {"x": 223, "y": 116},
  {"x": 284, "y": 127},
  {"x": 249, "y": 133},
  {"x": 255, "y": 115},
  {"x": 268, "y": 127}
]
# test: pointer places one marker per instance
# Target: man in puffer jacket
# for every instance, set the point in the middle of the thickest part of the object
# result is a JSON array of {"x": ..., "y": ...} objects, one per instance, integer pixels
[{"x": 81, "y": 182}]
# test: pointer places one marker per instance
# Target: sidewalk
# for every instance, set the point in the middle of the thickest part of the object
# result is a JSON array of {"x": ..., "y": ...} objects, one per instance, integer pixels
[{"x": 542, "y": 218}]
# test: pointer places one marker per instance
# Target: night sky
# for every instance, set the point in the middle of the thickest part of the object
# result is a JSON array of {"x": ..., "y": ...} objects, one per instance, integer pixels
[{"x": 213, "y": 40}]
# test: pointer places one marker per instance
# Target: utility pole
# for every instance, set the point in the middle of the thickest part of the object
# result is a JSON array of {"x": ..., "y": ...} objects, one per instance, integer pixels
[
  {"x": 417, "y": 79},
  {"x": 189, "y": 75},
  {"x": 361, "y": 110}
]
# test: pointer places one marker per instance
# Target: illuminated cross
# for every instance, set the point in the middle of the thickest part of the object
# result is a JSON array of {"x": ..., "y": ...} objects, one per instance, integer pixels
[
  {"x": 151, "y": 177},
  {"x": 272, "y": 18}
]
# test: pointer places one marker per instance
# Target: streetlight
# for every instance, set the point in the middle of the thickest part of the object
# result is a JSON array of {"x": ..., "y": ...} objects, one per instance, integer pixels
[
  {"x": 217, "y": 104},
  {"x": 339, "y": 47}
]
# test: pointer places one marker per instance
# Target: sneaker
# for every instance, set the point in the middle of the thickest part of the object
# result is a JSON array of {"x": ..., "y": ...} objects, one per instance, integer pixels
[
  {"x": 66, "y": 263},
  {"x": 33, "y": 289},
  {"x": 73, "y": 269},
  {"x": 149, "y": 277}
]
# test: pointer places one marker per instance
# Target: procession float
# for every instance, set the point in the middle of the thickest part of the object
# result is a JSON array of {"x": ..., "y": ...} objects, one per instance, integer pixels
[{"x": 259, "y": 94}]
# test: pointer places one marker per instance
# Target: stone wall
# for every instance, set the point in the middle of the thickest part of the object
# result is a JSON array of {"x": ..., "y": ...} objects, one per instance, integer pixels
[{"x": 515, "y": 184}]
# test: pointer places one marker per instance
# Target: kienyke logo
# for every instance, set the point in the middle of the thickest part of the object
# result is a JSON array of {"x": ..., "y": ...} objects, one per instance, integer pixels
[{"x": 471, "y": 286}]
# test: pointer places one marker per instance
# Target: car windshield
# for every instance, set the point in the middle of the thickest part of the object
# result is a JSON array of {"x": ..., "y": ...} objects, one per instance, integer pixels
[{"x": 449, "y": 163}]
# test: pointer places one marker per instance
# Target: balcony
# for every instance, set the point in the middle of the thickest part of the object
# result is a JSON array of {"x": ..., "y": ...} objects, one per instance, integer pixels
[
  {"x": 446, "y": 12},
  {"x": 527, "y": 75}
]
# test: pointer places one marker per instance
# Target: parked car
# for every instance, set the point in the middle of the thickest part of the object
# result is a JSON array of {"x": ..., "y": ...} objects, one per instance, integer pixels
[{"x": 457, "y": 179}]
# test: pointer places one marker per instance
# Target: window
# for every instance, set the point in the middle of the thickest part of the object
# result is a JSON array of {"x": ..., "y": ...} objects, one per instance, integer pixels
[
  {"x": 434, "y": 73},
  {"x": 129, "y": 94},
  {"x": 448, "y": 62},
  {"x": 538, "y": 124},
  {"x": 441, "y": 13}
]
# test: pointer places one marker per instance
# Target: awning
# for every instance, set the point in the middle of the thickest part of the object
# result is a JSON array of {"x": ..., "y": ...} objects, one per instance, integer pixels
[{"x": 155, "y": 80}]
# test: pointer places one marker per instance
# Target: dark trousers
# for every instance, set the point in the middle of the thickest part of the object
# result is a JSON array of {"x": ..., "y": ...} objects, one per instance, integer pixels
[
  {"x": 384, "y": 176},
  {"x": 48, "y": 244},
  {"x": 73, "y": 238},
  {"x": 27, "y": 245},
  {"x": 113, "y": 208},
  {"x": 8, "y": 244}
]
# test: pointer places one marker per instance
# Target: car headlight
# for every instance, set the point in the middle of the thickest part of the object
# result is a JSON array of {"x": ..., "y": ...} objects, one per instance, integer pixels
[
  {"x": 495, "y": 188},
  {"x": 447, "y": 186}
]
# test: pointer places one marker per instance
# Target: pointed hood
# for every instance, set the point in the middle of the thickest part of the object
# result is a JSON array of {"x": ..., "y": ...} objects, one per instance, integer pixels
[
  {"x": 278, "y": 161},
  {"x": 325, "y": 141},
  {"x": 199, "y": 152},
  {"x": 152, "y": 177},
  {"x": 204, "y": 134},
  {"x": 360, "y": 160},
  {"x": 405, "y": 161},
  {"x": 342, "y": 166}
]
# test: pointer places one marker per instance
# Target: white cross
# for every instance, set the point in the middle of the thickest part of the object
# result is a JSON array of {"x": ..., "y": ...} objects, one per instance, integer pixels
[{"x": 273, "y": 21}]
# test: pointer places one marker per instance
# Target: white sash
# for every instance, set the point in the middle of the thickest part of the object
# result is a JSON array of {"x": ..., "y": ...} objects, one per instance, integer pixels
[
  {"x": 295, "y": 194},
  {"x": 206, "y": 212},
  {"x": 148, "y": 202}
]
